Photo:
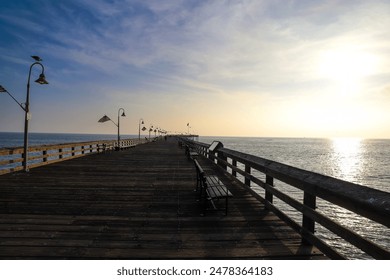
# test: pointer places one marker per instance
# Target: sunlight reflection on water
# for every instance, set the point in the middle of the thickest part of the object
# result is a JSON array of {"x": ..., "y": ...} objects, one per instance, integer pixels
[
  {"x": 361, "y": 161},
  {"x": 348, "y": 158}
]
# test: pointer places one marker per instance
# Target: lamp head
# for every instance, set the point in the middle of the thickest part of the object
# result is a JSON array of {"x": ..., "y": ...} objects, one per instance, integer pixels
[
  {"x": 36, "y": 58},
  {"x": 42, "y": 79},
  {"x": 123, "y": 114},
  {"x": 2, "y": 89},
  {"x": 104, "y": 119}
]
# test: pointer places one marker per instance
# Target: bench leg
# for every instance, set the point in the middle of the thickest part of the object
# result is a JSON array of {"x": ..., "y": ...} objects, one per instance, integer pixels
[
  {"x": 226, "y": 206},
  {"x": 197, "y": 183},
  {"x": 201, "y": 190},
  {"x": 204, "y": 205}
]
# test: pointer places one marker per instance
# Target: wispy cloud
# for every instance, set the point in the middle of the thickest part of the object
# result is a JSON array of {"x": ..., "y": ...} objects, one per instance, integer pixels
[
  {"x": 211, "y": 42},
  {"x": 23, "y": 21},
  {"x": 268, "y": 51}
]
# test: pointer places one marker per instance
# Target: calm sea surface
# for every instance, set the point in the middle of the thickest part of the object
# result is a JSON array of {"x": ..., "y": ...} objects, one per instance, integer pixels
[{"x": 361, "y": 161}]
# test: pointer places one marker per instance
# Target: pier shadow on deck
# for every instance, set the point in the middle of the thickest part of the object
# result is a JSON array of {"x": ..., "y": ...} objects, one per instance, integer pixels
[{"x": 134, "y": 204}]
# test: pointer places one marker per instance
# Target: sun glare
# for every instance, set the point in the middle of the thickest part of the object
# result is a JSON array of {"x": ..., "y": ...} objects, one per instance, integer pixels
[
  {"x": 347, "y": 67},
  {"x": 347, "y": 154}
]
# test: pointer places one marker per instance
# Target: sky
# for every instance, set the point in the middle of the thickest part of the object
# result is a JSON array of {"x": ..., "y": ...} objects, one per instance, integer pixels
[{"x": 260, "y": 68}]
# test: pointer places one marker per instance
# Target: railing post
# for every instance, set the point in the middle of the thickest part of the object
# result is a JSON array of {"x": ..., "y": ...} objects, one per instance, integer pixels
[
  {"x": 60, "y": 153},
  {"x": 234, "y": 163},
  {"x": 73, "y": 153},
  {"x": 248, "y": 171},
  {"x": 82, "y": 149},
  {"x": 308, "y": 224},
  {"x": 44, "y": 155},
  {"x": 221, "y": 158},
  {"x": 270, "y": 182}
]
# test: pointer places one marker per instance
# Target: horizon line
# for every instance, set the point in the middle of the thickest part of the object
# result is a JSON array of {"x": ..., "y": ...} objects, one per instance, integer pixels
[{"x": 216, "y": 136}]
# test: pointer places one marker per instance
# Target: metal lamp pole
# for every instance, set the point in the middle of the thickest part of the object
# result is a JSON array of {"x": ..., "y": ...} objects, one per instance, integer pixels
[
  {"x": 150, "y": 129},
  {"x": 123, "y": 115},
  {"x": 27, "y": 116},
  {"x": 141, "y": 121},
  {"x": 105, "y": 118},
  {"x": 26, "y": 108}
]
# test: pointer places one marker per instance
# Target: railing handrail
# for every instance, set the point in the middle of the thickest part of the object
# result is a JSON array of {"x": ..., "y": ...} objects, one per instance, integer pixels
[
  {"x": 364, "y": 201},
  {"x": 17, "y": 150},
  {"x": 368, "y": 202},
  {"x": 59, "y": 152}
]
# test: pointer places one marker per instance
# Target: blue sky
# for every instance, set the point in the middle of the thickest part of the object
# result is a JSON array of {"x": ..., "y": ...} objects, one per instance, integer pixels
[{"x": 244, "y": 68}]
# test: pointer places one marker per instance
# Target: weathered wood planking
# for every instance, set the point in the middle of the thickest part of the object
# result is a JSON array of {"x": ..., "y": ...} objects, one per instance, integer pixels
[{"x": 134, "y": 204}]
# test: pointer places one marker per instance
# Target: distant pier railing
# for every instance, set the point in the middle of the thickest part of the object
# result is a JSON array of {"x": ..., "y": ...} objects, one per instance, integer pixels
[
  {"x": 11, "y": 158},
  {"x": 258, "y": 173}
]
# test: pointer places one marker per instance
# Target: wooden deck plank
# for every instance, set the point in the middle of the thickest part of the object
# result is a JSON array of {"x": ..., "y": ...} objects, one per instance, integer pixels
[{"x": 134, "y": 204}]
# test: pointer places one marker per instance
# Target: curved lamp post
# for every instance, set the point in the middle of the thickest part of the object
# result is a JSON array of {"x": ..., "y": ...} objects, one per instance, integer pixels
[
  {"x": 41, "y": 80},
  {"x": 26, "y": 108},
  {"x": 141, "y": 121},
  {"x": 105, "y": 118},
  {"x": 123, "y": 115},
  {"x": 150, "y": 130}
]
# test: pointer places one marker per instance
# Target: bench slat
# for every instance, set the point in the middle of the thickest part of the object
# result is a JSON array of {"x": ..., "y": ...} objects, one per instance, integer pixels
[
  {"x": 212, "y": 180},
  {"x": 191, "y": 154},
  {"x": 218, "y": 192}
]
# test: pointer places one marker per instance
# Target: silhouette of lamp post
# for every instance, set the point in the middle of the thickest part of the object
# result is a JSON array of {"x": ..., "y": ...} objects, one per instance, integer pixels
[
  {"x": 141, "y": 121},
  {"x": 105, "y": 118},
  {"x": 26, "y": 108},
  {"x": 150, "y": 130}
]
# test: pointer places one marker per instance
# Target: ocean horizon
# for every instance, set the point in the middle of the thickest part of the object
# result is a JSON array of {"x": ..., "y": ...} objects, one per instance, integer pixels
[
  {"x": 358, "y": 160},
  {"x": 343, "y": 158}
]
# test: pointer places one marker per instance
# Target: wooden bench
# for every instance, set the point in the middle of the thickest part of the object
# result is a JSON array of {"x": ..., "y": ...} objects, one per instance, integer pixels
[
  {"x": 210, "y": 188},
  {"x": 191, "y": 154},
  {"x": 180, "y": 143}
]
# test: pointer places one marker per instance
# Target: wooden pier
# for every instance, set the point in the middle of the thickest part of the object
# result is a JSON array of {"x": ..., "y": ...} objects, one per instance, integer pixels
[{"x": 137, "y": 203}]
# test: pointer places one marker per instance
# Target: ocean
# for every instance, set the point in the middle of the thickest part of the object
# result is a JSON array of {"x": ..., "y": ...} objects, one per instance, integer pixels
[{"x": 361, "y": 161}]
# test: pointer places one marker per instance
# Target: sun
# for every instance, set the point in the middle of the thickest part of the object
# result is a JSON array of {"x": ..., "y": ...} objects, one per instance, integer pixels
[{"x": 347, "y": 67}]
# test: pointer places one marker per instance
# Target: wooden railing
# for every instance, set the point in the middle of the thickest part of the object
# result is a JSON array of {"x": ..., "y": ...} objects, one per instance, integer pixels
[
  {"x": 11, "y": 158},
  {"x": 363, "y": 201}
]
